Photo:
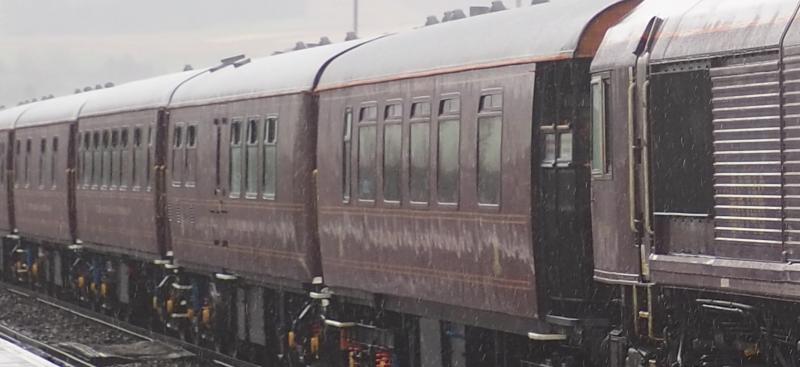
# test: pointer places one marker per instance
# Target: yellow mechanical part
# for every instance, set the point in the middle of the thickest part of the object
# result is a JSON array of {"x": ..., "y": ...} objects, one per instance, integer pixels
[
  {"x": 170, "y": 305},
  {"x": 104, "y": 289},
  {"x": 352, "y": 358},
  {"x": 314, "y": 344},
  {"x": 81, "y": 282},
  {"x": 35, "y": 270},
  {"x": 190, "y": 314},
  {"x": 290, "y": 339},
  {"x": 206, "y": 315}
]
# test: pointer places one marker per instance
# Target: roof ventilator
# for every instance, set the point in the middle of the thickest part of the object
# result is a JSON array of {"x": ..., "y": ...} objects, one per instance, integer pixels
[
  {"x": 431, "y": 20},
  {"x": 497, "y": 6},
  {"x": 478, "y": 10}
]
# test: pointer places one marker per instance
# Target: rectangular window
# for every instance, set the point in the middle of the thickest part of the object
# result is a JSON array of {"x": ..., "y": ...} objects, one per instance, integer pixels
[
  {"x": 270, "y": 174},
  {"x": 190, "y": 159},
  {"x": 419, "y": 157},
  {"x": 393, "y": 111},
  {"x": 392, "y": 152},
  {"x": 565, "y": 147},
  {"x": 42, "y": 163},
  {"x": 235, "y": 163},
  {"x": 86, "y": 174},
  {"x": 599, "y": 140},
  {"x": 420, "y": 110},
  {"x": 251, "y": 159},
  {"x": 53, "y": 162},
  {"x": 27, "y": 162},
  {"x": 346, "y": 154},
  {"x": 148, "y": 163},
  {"x": 448, "y": 151},
  {"x": 123, "y": 159},
  {"x": 137, "y": 158},
  {"x": 367, "y": 141},
  {"x": 176, "y": 165},
  {"x": 106, "y": 159},
  {"x": 115, "y": 159},
  {"x": 18, "y": 163},
  {"x": 490, "y": 132},
  {"x": 97, "y": 160},
  {"x": 3, "y": 164}
]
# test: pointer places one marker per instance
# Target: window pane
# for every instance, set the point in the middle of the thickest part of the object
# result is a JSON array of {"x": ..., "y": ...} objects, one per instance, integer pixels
[
  {"x": 191, "y": 136},
  {"x": 598, "y": 128},
  {"x": 565, "y": 144},
  {"x": 115, "y": 159},
  {"x": 96, "y": 159},
  {"x": 251, "y": 159},
  {"x": 27, "y": 161},
  {"x": 490, "y": 132},
  {"x": 271, "y": 131},
  {"x": 419, "y": 162},
  {"x": 369, "y": 113},
  {"x": 53, "y": 162},
  {"x": 106, "y": 170},
  {"x": 346, "y": 154},
  {"x": 177, "y": 139},
  {"x": 42, "y": 162},
  {"x": 447, "y": 183},
  {"x": 550, "y": 148},
  {"x": 270, "y": 170},
  {"x": 190, "y": 157},
  {"x": 148, "y": 164},
  {"x": 235, "y": 168},
  {"x": 392, "y": 151},
  {"x": 420, "y": 109},
  {"x": 393, "y": 112},
  {"x": 366, "y": 162},
  {"x": 449, "y": 106}
]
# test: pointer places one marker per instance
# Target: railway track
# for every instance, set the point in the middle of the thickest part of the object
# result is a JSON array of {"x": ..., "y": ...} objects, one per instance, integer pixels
[{"x": 61, "y": 356}]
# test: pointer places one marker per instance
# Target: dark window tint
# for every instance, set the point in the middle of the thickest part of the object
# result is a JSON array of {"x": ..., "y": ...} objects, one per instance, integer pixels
[
  {"x": 366, "y": 161},
  {"x": 599, "y": 156},
  {"x": 190, "y": 157},
  {"x": 419, "y": 159},
  {"x": 148, "y": 163},
  {"x": 43, "y": 164},
  {"x": 490, "y": 130},
  {"x": 116, "y": 170},
  {"x": 137, "y": 158},
  {"x": 27, "y": 161},
  {"x": 251, "y": 159},
  {"x": 392, "y": 152},
  {"x": 235, "y": 167},
  {"x": 97, "y": 161},
  {"x": 106, "y": 159},
  {"x": 346, "y": 154},
  {"x": 270, "y": 175},
  {"x": 420, "y": 109},
  {"x": 447, "y": 177},
  {"x": 177, "y": 138},
  {"x": 191, "y": 136}
]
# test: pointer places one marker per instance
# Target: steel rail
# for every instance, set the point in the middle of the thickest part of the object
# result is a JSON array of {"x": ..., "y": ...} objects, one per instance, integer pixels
[{"x": 139, "y": 332}]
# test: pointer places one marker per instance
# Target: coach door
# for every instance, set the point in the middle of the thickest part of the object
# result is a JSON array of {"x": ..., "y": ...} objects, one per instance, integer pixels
[
  {"x": 562, "y": 198},
  {"x": 227, "y": 137}
]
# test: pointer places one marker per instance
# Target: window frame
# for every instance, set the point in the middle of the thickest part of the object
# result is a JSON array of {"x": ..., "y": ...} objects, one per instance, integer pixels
[
  {"x": 235, "y": 121},
  {"x": 256, "y": 121},
  {"x": 362, "y": 123},
  {"x": 446, "y": 116},
  {"x": 485, "y": 113},
  {"x": 427, "y": 119},
  {"x": 347, "y": 156},
  {"x": 55, "y": 145},
  {"x": 606, "y": 171},
  {"x": 43, "y": 164},
  {"x": 264, "y": 143},
  {"x": 190, "y": 147},
  {"x": 392, "y": 121}
]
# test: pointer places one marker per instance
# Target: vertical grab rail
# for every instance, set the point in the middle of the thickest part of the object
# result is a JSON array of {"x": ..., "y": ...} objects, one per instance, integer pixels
[
  {"x": 646, "y": 156},
  {"x": 632, "y": 152}
]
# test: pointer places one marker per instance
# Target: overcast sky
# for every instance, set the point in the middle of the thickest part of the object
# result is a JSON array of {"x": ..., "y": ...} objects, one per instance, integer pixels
[{"x": 55, "y": 46}]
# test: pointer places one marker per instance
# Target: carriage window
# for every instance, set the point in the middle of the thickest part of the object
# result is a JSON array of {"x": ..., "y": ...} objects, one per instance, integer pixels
[
  {"x": 177, "y": 158},
  {"x": 85, "y": 158},
  {"x": 123, "y": 159},
  {"x": 447, "y": 154},
  {"x": 346, "y": 156},
  {"x": 549, "y": 148},
  {"x": 599, "y": 140},
  {"x": 18, "y": 176},
  {"x": 565, "y": 147},
  {"x": 419, "y": 153},
  {"x": 106, "y": 158},
  {"x": 270, "y": 174},
  {"x": 27, "y": 161},
  {"x": 235, "y": 167},
  {"x": 42, "y": 162},
  {"x": 96, "y": 159},
  {"x": 491, "y": 102},
  {"x": 251, "y": 159},
  {"x": 148, "y": 162},
  {"x": 115, "y": 160},
  {"x": 190, "y": 158},
  {"x": 53, "y": 162},
  {"x": 490, "y": 132},
  {"x": 392, "y": 151},
  {"x": 3, "y": 164},
  {"x": 136, "y": 159},
  {"x": 367, "y": 141}
]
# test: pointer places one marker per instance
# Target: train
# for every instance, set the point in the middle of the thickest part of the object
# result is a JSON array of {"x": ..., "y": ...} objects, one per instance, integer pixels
[{"x": 572, "y": 183}]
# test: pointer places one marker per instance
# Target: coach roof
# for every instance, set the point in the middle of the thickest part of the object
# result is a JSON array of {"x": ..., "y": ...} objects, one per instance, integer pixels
[
  {"x": 61, "y": 109},
  {"x": 290, "y": 72},
  {"x": 547, "y": 31},
  {"x": 9, "y": 117},
  {"x": 694, "y": 29},
  {"x": 138, "y": 95}
]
